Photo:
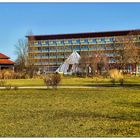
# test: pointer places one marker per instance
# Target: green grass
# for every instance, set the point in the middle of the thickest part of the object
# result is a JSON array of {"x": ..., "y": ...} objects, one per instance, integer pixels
[
  {"x": 73, "y": 81},
  {"x": 113, "y": 112},
  {"x": 25, "y": 82}
]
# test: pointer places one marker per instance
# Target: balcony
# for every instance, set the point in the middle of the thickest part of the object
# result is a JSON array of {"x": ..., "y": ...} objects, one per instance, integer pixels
[
  {"x": 60, "y": 50},
  {"x": 60, "y": 56},
  {"x": 53, "y": 56},
  {"x": 52, "y": 50}
]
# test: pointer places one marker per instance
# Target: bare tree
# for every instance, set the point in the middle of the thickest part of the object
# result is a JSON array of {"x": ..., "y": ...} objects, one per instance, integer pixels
[
  {"x": 131, "y": 52},
  {"x": 95, "y": 64},
  {"x": 31, "y": 67},
  {"x": 83, "y": 65},
  {"x": 24, "y": 63},
  {"x": 99, "y": 62},
  {"x": 128, "y": 51},
  {"x": 21, "y": 49}
]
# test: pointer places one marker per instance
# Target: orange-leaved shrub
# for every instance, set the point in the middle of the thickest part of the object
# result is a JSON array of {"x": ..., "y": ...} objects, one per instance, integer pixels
[{"x": 116, "y": 75}]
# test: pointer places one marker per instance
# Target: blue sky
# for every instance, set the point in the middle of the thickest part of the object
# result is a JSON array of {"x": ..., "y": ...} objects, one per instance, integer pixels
[{"x": 17, "y": 19}]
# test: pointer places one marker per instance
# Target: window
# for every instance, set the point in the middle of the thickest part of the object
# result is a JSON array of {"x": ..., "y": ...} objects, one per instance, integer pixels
[
  {"x": 77, "y": 48},
  {"x": 84, "y": 48},
  {"x": 111, "y": 39},
  {"x": 35, "y": 43},
  {"x": 60, "y": 42},
  {"x": 100, "y": 48},
  {"x": 52, "y": 43},
  {"x": 107, "y": 39},
  {"x": 138, "y": 68},
  {"x": 92, "y": 41},
  {"x": 70, "y": 47},
  {"x": 84, "y": 41},
  {"x": 94, "y": 48},
  {"x": 39, "y": 49},
  {"x": 39, "y": 43},
  {"x": 112, "y": 60},
  {"x": 103, "y": 47},
  {"x": 103, "y": 39},
  {"x": 43, "y": 43},
  {"x": 75, "y": 42},
  {"x": 78, "y": 41},
  {"x": 129, "y": 68},
  {"x": 110, "y": 54},
  {"x": 67, "y": 42}
]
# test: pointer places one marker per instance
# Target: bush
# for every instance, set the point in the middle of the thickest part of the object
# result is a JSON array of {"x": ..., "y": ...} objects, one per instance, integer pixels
[
  {"x": 116, "y": 75},
  {"x": 48, "y": 81},
  {"x": 52, "y": 80},
  {"x": 56, "y": 78},
  {"x": 105, "y": 74},
  {"x": 113, "y": 81},
  {"x": 15, "y": 87},
  {"x": 10, "y": 74},
  {"x": 8, "y": 87},
  {"x": 2, "y": 83},
  {"x": 121, "y": 81}
]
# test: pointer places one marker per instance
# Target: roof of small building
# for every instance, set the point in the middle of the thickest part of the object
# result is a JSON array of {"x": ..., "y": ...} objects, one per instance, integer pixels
[
  {"x": 3, "y": 56},
  {"x": 6, "y": 61}
]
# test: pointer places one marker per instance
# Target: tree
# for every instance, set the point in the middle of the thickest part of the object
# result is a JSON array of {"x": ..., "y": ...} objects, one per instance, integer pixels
[
  {"x": 83, "y": 65},
  {"x": 99, "y": 62},
  {"x": 128, "y": 51},
  {"x": 21, "y": 50},
  {"x": 23, "y": 62},
  {"x": 31, "y": 67},
  {"x": 131, "y": 52},
  {"x": 95, "y": 64}
]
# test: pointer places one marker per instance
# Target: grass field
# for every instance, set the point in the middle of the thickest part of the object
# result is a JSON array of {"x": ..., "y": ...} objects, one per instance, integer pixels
[
  {"x": 100, "y": 112},
  {"x": 73, "y": 81}
]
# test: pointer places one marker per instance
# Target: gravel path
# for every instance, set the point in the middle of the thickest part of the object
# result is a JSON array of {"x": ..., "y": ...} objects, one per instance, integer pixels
[{"x": 63, "y": 87}]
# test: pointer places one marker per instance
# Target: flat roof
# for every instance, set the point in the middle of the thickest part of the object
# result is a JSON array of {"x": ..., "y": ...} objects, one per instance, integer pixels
[{"x": 83, "y": 35}]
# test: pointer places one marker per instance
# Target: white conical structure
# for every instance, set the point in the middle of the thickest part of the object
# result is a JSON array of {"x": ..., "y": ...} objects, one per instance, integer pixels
[{"x": 70, "y": 64}]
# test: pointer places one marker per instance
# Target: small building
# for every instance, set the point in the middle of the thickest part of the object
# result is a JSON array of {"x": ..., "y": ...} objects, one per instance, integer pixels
[{"x": 5, "y": 62}]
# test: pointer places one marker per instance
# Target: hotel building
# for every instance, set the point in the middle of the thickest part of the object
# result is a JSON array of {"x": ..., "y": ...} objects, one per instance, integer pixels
[{"x": 48, "y": 52}]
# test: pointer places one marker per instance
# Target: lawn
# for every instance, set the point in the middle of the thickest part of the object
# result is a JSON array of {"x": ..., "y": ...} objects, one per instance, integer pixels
[
  {"x": 100, "y": 112},
  {"x": 73, "y": 81}
]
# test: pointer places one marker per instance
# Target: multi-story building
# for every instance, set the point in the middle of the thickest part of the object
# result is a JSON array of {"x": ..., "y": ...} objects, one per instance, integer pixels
[{"x": 50, "y": 51}]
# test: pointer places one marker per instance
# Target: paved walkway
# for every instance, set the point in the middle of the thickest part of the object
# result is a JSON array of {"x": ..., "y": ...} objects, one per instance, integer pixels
[{"x": 63, "y": 87}]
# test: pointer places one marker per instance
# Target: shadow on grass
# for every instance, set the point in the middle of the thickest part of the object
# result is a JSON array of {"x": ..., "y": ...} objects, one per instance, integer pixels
[
  {"x": 134, "y": 104},
  {"x": 137, "y": 86},
  {"x": 120, "y": 116}
]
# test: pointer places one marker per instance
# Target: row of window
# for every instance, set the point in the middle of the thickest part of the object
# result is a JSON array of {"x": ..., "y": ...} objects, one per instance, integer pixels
[
  {"x": 46, "y": 63},
  {"x": 53, "y": 62},
  {"x": 47, "y": 56},
  {"x": 103, "y": 40},
  {"x": 70, "y": 41},
  {"x": 76, "y": 48}
]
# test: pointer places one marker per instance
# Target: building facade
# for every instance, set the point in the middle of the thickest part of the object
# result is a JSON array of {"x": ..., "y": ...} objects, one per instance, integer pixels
[
  {"x": 5, "y": 62},
  {"x": 48, "y": 52}
]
